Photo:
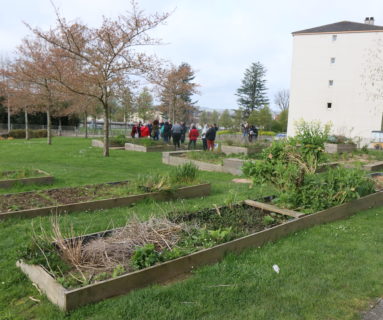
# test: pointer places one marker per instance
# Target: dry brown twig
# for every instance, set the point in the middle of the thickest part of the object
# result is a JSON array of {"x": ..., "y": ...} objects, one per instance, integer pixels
[{"x": 104, "y": 253}]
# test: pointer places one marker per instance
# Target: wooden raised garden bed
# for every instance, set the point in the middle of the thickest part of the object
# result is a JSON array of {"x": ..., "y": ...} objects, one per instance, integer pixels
[
  {"x": 246, "y": 150},
  {"x": 199, "y": 190},
  {"x": 69, "y": 299},
  {"x": 37, "y": 177},
  {"x": 339, "y": 147},
  {"x": 230, "y": 165},
  {"x": 141, "y": 148},
  {"x": 100, "y": 144}
]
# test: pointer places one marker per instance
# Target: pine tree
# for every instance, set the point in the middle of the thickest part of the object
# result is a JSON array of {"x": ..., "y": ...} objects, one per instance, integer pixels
[{"x": 252, "y": 93}]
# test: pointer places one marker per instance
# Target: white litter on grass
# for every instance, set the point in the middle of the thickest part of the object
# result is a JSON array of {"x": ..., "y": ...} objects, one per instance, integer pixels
[{"x": 276, "y": 268}]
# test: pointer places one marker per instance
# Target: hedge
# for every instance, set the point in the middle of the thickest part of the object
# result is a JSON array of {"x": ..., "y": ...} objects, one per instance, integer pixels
[{"x": 20, "y": 134}]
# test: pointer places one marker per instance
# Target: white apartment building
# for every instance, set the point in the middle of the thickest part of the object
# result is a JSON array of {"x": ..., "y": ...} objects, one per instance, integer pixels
[{"x": 330, "y": 78}]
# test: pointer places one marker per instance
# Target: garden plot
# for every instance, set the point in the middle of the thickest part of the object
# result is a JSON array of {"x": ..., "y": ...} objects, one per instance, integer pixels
[
  {"x": 180, "y": 183},
  {"x": 232, "y": 147},
  {"x": 205, "y": 160},
  {"x": 114, "y": 262},
  {"x": 100, "y": 144},
  {"x": 9, "y": 179},
  {"x": 368, "y": 160}
]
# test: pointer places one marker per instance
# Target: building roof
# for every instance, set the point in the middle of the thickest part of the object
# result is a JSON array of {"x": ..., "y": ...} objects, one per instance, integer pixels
[{"x": 343, "y": 26}]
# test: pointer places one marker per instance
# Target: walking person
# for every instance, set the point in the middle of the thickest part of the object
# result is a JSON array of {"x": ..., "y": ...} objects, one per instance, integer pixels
[
  {"x": 203, "y": 136},
  {"x": 166, "y": 132},
  {"x": 253, "y": 133},
  {"x": 134, "y": 133},
  {"x": 183, "y": 134},
  {"x": 245, "y": 131},
  {"x": 210, "y": 137},
  {"x": 155, "y": 130},
  {"x": 176, "y": 135},
  {"x": 193, "y": 135}
]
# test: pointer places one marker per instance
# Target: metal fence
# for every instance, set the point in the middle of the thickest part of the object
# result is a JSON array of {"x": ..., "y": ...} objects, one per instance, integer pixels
[{"x": 71, "y": 131}]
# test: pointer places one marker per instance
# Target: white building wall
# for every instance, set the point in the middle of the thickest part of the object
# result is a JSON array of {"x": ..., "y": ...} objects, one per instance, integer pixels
[{"x": 354, "y": 113}]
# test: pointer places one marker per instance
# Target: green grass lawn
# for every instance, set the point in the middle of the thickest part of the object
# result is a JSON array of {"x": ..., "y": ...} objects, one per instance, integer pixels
[{"x": 328, "y": 272}]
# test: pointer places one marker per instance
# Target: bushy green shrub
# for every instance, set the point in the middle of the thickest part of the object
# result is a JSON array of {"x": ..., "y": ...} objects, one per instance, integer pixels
[
  {"x": 220, "y": 132},
  {"x": 340, "y": 139},
  {"x": 20, "y": 134},
  {"x": 328, "y": 189},
  {"x": 118, "y": 141},
  {"x": 291, "y": 165},
  {"x": 266, "y": 133}
]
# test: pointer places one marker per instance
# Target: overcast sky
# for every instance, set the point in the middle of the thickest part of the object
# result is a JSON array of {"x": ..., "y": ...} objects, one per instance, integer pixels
[{"x": 218, "y": 38}]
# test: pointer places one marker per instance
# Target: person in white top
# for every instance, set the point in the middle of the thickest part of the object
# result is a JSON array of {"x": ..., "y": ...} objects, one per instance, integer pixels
[{"x": 203, "y": 137}]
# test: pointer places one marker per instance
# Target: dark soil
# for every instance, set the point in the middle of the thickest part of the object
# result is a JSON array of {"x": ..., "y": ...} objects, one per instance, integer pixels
[
  {"x": 243, "y": 219},
  {"x": 54, "y": 197}
]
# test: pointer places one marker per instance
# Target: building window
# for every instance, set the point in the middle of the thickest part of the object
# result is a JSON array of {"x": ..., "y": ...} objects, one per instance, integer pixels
[
  {"x": 334, "y": 36},
  {"x": 332, "y": 60},
  {"x": 329, "y": 105},
  {"x": 331, "y": 83}
]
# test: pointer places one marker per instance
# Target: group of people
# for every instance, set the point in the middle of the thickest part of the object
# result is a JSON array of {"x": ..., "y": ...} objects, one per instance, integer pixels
[
  {"x": 176, "y": 132},
  {"x": 249, "y": 132}
]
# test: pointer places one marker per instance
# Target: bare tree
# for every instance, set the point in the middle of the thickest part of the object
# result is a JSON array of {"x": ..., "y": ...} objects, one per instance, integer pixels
[
  {"x": 33, "y": 69},
  {"x": 6, "y": 88},
  {"x": 282, "y": 99},
  {"x": 100, "y": 59}
]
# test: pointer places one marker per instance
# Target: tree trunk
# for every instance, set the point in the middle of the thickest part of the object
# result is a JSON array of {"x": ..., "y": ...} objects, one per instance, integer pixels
[
  {"x": 9, "y": 118},
  {"x": 49, "y": 129},
  {"x": 26, "y": 125},
  {"x": 60, "y": 128},
  {"x": 106, "y": 131},
  {"x": 86, "y": 124}
]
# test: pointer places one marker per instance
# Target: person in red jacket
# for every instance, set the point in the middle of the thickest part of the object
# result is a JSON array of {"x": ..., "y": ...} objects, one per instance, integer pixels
[
  {"x": 193, "y": 135},
  {"x": 145, "y": 131}
]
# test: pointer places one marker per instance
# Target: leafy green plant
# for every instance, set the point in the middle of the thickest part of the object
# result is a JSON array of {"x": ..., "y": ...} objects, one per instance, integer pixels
[
  {"x": 118, "y": 270},
  {"x": 206, "y": 238},
  {"x": 145, "y": 256},
  {"x": 268, "y": 220},
  {"x": 101, "y": 276}
]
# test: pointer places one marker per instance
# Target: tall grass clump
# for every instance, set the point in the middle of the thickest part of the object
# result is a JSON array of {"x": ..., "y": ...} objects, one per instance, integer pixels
[{"x": 184, "y": 173}]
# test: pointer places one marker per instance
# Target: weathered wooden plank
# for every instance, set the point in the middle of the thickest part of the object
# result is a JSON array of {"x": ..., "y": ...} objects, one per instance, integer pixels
[{"x": 271, "y": 208}]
